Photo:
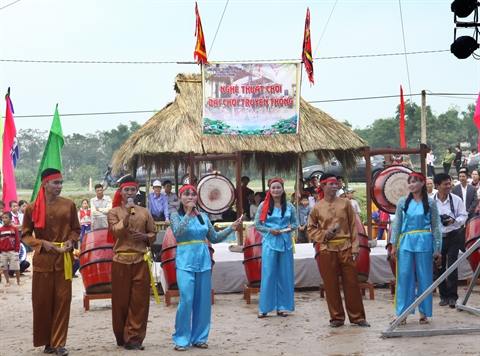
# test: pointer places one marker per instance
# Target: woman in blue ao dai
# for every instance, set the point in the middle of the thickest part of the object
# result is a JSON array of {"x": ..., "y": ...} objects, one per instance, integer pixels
[{"x": 416, "y": 240}]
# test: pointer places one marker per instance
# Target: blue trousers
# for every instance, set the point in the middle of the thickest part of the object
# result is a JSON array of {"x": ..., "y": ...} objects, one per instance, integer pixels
[
  {"x": 192, "y": 323},
  {"x": 277, "y": 285},
  {"x": 413, "y": 268}
]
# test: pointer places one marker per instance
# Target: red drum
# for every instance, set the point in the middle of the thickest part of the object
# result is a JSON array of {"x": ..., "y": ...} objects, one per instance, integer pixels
[
  {"x": 472, "y": 234},
  {"x": 252, "y": 257},
  {"x": 167, "y": 258},
  {"x": 96, "y": 253},
  {"x": 363, "y": 259},
  {"x": 388, "y": 186}
]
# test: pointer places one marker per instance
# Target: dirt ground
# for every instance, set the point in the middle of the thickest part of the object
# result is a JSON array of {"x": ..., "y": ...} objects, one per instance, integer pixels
[{"x": 237, "y": 331}]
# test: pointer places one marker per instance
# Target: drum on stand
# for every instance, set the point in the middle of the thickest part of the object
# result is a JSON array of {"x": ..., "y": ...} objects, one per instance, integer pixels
[
  {"x": 96, "y": 254},
  {"x": 252, "y": 257},
  {"x": 472, "y": 234},
  {"x": 388, "y": 186},
  {"x": 216, "y": 193}
]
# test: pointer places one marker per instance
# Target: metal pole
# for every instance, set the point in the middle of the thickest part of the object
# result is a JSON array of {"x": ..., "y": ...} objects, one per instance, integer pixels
[
  {"x": 368, "y": 172},
  {"x": 430, "y": 289},
  {"x": 472, "y": 284}
]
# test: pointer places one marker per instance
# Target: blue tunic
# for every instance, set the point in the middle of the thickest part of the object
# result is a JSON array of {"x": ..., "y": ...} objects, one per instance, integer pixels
[
  {"x": 192, "y": 322},
  {"x": 416, "y": 235}
]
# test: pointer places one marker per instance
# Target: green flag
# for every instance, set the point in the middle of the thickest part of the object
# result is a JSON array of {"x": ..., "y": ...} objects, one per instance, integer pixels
[{"x": 52, "y": 156}]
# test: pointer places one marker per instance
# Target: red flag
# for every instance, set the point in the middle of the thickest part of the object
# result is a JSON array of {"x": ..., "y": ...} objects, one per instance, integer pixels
[
  {"x": 307, "y": 58},
  {"x": 476, "y": 121},
  {"x": 9, "y": 189},
  {"x": 403, "y": 142},
  {"x": 200, "y": 53}
]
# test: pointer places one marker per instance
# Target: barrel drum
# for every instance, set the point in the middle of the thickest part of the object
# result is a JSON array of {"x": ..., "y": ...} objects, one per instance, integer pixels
[{"x": 252, "y": 257}]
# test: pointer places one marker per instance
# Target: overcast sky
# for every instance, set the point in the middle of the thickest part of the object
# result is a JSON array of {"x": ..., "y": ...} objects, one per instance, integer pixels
[{"x": 148, "y": 30}]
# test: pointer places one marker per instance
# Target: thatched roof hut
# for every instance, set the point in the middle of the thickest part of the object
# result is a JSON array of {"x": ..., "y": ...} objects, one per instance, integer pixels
[{"x": 175, "y": 133}]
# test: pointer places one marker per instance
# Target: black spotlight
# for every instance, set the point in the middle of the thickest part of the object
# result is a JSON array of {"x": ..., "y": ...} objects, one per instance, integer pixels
[
  {"x": 463, "y": 8},
  {"x": 463, "y": 47}
]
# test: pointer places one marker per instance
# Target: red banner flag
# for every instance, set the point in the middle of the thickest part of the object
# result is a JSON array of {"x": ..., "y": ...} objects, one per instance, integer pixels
[
  {"x": 307, "y": 58},
  {"x": 403, "y": 142},
  {"x": 200, "y": 53},
  {"x": 476, "y": 121},
  {"x": 9, "y": 188}
]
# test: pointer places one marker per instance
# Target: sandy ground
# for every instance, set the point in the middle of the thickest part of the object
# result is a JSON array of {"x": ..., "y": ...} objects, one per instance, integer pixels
[{"x": 236, "y": 329}]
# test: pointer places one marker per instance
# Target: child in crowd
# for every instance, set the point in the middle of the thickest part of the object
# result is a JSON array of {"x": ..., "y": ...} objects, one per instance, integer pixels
[
  {"x": 303, "y": 212},
  {"x": 85, "y": 218},
  {"x": 9, "y": 248},
  {"x": 257, "y": 199}
]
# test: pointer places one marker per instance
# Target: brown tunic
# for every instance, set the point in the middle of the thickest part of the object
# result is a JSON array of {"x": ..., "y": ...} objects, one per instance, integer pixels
[
  {"x": 130, "y": 276},
  {"x": 335, "y": 257},
  {"x": 326, "y": 215},
  {"x": 51, "y": 293}
]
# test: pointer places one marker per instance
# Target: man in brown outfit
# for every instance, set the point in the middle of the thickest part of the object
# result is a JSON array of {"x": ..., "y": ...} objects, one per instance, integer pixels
[
  {"x": 332, "y": 225},
  {"x": 51, "y": 227},
  {"x": 133, "y": 230}
]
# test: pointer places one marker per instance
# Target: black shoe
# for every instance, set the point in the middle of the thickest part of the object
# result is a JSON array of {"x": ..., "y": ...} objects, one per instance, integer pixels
[
  {"x": 61, "y": 351},
  {"x": 201, "y": 345},
  {"x": 452, "y": 303},
  {"x": 443, "y": 302},
  {"x": 336, "y": 323},
  {"x": 134, "y": 347},
  {"x": 362, "y": 323},
  {"x": 49, "y": 350}
]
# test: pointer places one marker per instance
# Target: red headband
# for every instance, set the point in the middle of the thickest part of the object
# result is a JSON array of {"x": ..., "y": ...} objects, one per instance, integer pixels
[
  {"x": 186, "y": 187},
  {"x": 275, "y": 180},
  {"x": 39, "y": 212},
  {"x": 117, "y": 198},
  {"x": 417, "y": 175},
  {"x": 329, "y": 180},
  {"x": 53, "y": 176}
]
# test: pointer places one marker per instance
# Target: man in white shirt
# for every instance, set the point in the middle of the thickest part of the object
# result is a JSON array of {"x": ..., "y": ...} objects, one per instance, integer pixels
[
  {"x": 100, "y": 205},
  {"x": 453, "y": 216},
  {"x": 173, "y": 201},
  {"x": 466, "y": 192},
  {"x": 431, "y": 191}
]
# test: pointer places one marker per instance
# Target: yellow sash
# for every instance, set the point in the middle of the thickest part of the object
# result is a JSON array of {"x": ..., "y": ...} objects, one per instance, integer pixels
[
  {"x": 191, "y": 242},
  {"x": 67, "y": 261},
  {"x": 147, "y": 258}
]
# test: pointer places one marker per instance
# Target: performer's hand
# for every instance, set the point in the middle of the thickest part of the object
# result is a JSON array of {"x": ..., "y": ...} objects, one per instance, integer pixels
[
  {"x": 330, "y": 234},
  {"x": 437, "y": 258},
  {"x": 67, "y": 246},
  {"x": 189, "y": 208},
  {"x": 393, "y": 253},
  {"x": 138, "y": 236},
  {"x": 275, "y": 232},
  {"x": 48, "y": 246},
  {"x": 237, "y": 223},
  {"x": 354, "y": 255}
]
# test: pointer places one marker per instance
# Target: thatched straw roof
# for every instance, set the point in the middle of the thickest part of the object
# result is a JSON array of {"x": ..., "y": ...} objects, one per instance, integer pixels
[{"x": 176, "y": 131}]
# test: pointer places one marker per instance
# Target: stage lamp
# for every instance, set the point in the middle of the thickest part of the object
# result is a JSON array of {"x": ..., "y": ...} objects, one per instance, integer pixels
[
  {"x": 463, "y": 8},
  {"x": 464, "y": 46}
]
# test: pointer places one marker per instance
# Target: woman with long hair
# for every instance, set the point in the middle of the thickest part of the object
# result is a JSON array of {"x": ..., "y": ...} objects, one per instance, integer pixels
[
  {"x": 416, "y": 240},
  {"x": 275, "y": 220},
  {"x": 192, "y": 229}
]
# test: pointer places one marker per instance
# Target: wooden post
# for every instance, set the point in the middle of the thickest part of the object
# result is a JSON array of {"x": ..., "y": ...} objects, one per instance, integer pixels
[
  {"x": 423, "y": 119},
  {"x": 297, "y": 185},
  {"x": 191, "y": 171},
  {"x": 239, "y": 203},
  {"x": 147, "y": 188},
  {"x": 175, "y": 169},
  {"x": 368, "y": 173},
  {"x": 263, "y": 176},
  {"x": 423, "y": 155}
]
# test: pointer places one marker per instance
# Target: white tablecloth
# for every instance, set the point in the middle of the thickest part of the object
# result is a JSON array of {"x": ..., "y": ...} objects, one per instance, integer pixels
[{"x": 229, "y": 274}]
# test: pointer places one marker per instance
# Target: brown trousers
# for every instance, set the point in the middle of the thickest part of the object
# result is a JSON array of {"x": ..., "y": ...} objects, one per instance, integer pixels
[
  {"x": 332, "y": 265},
  {"x": 130, "y": 302},
  {"x": 51, "y": 298}
]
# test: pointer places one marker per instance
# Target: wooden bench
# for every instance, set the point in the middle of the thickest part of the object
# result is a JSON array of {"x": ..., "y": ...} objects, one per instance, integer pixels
[{"x": 88, "y": 297}]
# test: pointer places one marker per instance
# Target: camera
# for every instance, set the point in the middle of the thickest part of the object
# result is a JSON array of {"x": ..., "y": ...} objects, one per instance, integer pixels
[{"x": 445, "y": 218}]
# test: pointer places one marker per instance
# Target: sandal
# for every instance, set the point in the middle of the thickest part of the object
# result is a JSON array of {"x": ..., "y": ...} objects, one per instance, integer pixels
[
  {"x": 403, "y": 322},
  {"x": 180, "y": 348},
  {"x": 262, "y": 315},
  {"x": 424, "y": 320},
  {"x": 201, "y": 345},
  {"x": 282, "y": 314}
]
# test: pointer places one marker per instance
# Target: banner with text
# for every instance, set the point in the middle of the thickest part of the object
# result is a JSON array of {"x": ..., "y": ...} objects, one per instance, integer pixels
[{"x": 251, "y": 98}]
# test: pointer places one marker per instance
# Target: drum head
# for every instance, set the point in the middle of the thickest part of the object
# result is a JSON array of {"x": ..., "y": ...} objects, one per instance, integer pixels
[
  {"x": 389, "y": 186},
  {"x": 215, "y": 193}
]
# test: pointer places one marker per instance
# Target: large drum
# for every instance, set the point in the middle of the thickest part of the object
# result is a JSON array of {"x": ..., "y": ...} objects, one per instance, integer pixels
[
  {"x": 472, "y": 234},
  {"x": 167, "y": 258},
  {"x": 388, "y": 186},
  {"x": 252, "y": 257},
  {"x": 96, "y": 253},
  {"x": 363, "y": 259},
  {"x": 215, "y": 193}
]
